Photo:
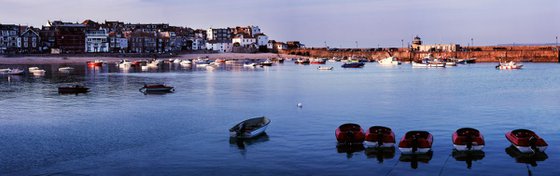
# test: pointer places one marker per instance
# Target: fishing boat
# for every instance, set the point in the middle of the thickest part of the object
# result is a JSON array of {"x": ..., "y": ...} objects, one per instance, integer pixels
[
  {"x": 324, "y": 68},
  {"x": 416, "y": 142},
  {"x": 526, "y": 141},
  {"x": 72, "y": 89},
  {"x": 389, "y": 61},
  {"x": 65, "y": 69},
  {"x": 468, "y": 139},
  {"x": 318, "y": 61},
  {"x": 509, "y": 65},
  {"x": 156, "y": 88},
  {"x": 350, "y": 133},
  {"x": 95, "y": 63},
  {"x": 249, "y": 128},
  {"x": 379, "y": 136},
  {"x": 9, "y": 71},
  {"x": 353, "y": 64}
]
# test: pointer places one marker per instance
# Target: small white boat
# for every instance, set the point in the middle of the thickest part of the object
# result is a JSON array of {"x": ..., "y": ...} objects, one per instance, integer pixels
[
  {"x": 9, "y": 71},
  {"x": 124, "y": 63},
  {"x": 249, "y": 128},
  {"x": 39, "y": 72},
  {"x": 153, "y": 64},
  {"x": 509, "y": 66},
  {"x": 185, "y": 63},
  {"x": 450, "y": 63},
  {"x": 324, "y": 68},
  {"x": 389, "y": 61},
  {"x": 250, "y": 64},
  {"x": 177, "y": 61},
  {"x": 65, "y": 69},
  {"x": 144, "y": 68},
  {"x": 32, "y": 68}
]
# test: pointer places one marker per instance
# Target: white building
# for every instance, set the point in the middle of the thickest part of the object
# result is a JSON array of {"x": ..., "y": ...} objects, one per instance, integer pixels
[
  {"x": 198, "y": 44},
  {"x": 244, "y": 41},
  {"x": 262, "y": 40},
  {"x": 255, "y": 30},
  {"x": 222, "y": 47},
  {"x": 219, "y": 34},
  {"x": 97, "y": 41}
]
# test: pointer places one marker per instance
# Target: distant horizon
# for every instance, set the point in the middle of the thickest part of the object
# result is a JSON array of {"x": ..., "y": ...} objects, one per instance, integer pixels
[{"x": 368, "y": 24}]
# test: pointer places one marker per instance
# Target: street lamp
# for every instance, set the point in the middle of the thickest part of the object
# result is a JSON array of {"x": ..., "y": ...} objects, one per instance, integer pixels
[
  {"x": 356, "y": 44},
  {"x": 402, "y": 43},
  {"x": 472, "y": 42}
]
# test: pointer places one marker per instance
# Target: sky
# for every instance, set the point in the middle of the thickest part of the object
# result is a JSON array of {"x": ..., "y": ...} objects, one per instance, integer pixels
[{"x": 336, "y": 23}]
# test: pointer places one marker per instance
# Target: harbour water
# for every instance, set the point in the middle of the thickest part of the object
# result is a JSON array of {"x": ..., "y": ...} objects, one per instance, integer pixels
[{"x": 116, "y": 130}]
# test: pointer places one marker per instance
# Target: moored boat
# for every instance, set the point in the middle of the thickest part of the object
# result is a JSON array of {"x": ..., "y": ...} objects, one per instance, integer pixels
[
  {"x": 416, "y": 142},
  {"x": 10, "y": 71},
  {"x": 318, "y": 61},
  {"x": 65, "y": 69},
  {"x": 124, "y": 63},
  {"x": 249, "y": 64},
  {"x": 526, "y": 141},
  {"x": 156, "y": 88},
  {"x": 185, "y": 63},
  {"x": 509, "y": 66},
  {"x": 379, "y": 136},
  {"x": 95, "y": 63},
  {"x": 249, "y": 128},
  {"x": 468, "y": 139},
  {"x": 353, "y": 65},
  {"x": 302, "y": 61},
  {"x": 31, "y": 69},
  {"x": 324, "y": 68},
  {"x": 389, "y": 61},
  {"x": 350, "y": 133},
  {"x": 266, "y": 63},
  {"x": 72, "y": 89}
]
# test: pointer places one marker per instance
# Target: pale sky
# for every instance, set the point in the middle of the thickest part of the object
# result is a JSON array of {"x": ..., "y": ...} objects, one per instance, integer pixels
[{"x": 339, "y": 23}]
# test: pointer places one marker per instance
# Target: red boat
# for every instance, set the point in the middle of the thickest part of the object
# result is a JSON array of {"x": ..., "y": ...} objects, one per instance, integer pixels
[
  {"x": 416, "y": 142},
  {"x": 138, "y": 63},
  {"x": 526, "y": 141},
  {"x": 350, "y": 133},
  {"x": 468, "y": 139},
  {"x": 95, "y": 63},
  {"x": 379, "y": 136}
]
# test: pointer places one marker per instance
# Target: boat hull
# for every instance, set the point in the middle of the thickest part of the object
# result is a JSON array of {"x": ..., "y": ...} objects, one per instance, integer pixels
[
  {"x": 251, "y": 128},
  {"x": 465, "y": 148},
  {"x": 408, "y": 150},
  {"x": 526, "y": 141},
  {"x": 371, "y": 144}
]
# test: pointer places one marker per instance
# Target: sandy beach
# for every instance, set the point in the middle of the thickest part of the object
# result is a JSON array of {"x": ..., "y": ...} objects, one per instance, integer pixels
[{"x": 76, "y": 60}]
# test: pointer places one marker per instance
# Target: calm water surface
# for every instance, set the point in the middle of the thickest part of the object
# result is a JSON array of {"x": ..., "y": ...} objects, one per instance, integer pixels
[{"x": 116, "y": 130}]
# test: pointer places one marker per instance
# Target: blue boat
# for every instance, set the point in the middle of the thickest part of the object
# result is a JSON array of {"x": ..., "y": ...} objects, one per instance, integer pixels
[{"x": 353, "y": 65}]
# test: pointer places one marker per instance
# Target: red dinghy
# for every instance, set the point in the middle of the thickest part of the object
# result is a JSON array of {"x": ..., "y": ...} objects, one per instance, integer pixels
[
  {"x": 379, "y": 136},
  {"x": 468, "y": 139},
  {"x": 526, "y": 141},
  {"x": 416, "y": 142},
  {"x": 350, "y": 133}
]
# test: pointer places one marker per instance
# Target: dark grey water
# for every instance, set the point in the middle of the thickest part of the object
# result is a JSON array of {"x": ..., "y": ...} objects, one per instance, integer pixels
[{"x": 116, "y": 130}]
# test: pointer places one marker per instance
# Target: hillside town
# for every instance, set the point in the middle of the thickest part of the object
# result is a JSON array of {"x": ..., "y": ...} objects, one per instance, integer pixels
[{"x": 58, "y": 37}]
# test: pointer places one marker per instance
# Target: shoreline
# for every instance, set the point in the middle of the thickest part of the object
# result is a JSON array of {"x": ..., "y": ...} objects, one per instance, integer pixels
[{"x": 82, "y": 59}]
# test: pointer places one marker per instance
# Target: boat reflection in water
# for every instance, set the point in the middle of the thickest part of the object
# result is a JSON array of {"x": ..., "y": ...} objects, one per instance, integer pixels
[
  {"x": 415, "y": 158},
  {"x": 349, "y": 149},
  {"x": 242, "y": 143},
  {"x": 468, "y": 156},
  {"x": 380, "y": 153},
  {"x": 527, "y": 158}
]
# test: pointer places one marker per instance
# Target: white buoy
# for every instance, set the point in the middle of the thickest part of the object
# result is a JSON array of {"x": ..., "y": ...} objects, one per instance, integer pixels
[{"x": 299, "y": 105}]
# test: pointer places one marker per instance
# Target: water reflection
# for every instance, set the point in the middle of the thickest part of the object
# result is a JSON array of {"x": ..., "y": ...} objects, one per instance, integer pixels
[
  {"x": 468, "y": 156},
  {"x": 380, "y": 153},
  {"x": 349, "y": 149},
  {"x": 527, "y": 158},
  {"x": 243, "y": 143},
  {"x": 414, "y": 159}
]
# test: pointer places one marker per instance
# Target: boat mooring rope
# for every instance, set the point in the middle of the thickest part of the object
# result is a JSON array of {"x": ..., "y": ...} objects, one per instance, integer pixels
[{"x": 445, "y": 163}]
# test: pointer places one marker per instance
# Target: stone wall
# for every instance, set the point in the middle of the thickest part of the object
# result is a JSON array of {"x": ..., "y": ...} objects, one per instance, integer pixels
[{"x": 483, "y": 54}]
